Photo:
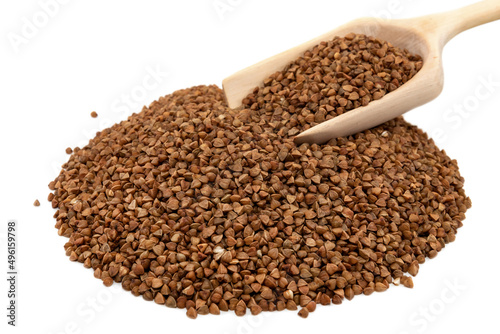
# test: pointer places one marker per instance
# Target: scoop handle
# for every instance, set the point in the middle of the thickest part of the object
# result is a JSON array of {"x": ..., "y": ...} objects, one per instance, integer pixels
[{"x": 456, "y": 21}]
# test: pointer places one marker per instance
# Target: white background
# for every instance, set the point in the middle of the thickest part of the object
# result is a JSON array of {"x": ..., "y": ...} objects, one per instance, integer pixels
[{"x": 91, "y": 54}]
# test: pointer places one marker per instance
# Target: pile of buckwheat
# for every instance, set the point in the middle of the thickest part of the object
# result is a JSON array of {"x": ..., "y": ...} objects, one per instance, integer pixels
[{"x": 196, "y": 206}]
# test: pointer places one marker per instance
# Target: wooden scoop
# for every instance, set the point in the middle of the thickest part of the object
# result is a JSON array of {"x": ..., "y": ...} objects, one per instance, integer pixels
[{"x": 425, "y": 36}]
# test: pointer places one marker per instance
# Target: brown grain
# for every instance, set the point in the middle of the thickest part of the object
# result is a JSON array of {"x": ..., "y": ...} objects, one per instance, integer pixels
[{"x": 198, "y": 207}]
